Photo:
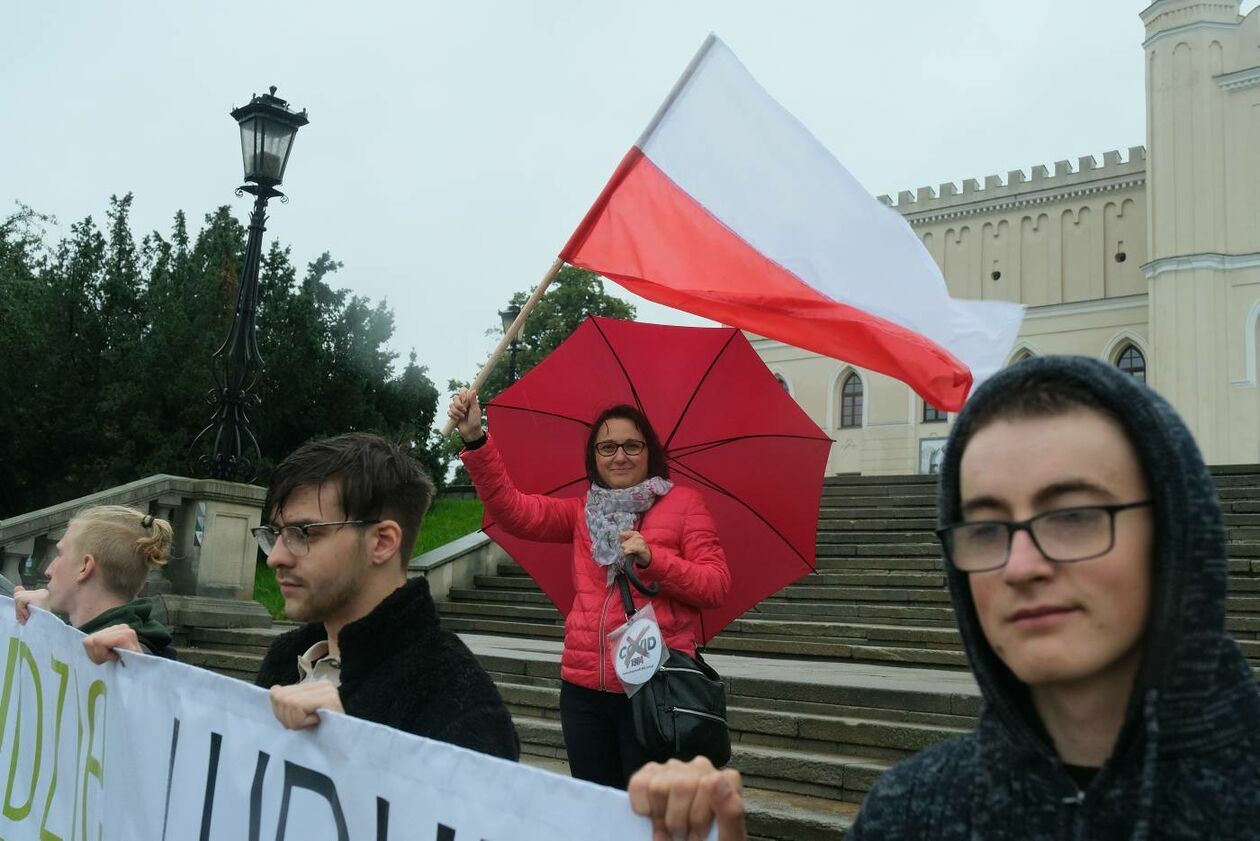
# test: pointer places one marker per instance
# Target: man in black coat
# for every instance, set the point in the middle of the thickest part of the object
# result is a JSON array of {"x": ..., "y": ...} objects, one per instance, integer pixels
[{"x": 341, "y": 517}]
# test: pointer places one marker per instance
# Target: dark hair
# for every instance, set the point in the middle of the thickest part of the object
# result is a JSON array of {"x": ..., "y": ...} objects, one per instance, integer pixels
[
  {"x": 377, "y": 480},
  {"x": 657, "y": 465},
  {"x": 1036, "y": 397},
  {"x": 1041, "y": 394}
]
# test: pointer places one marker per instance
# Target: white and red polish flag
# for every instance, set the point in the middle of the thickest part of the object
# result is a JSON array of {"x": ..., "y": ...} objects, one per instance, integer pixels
[{"x": 727, "y": 207}]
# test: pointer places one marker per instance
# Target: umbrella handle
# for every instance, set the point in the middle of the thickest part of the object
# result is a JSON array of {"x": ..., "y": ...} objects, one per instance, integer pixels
[{"x": 645, "y": 589}]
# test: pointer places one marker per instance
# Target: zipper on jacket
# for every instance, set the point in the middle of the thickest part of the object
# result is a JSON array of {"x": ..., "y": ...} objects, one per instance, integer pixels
[{"x": 603, "y": 614}]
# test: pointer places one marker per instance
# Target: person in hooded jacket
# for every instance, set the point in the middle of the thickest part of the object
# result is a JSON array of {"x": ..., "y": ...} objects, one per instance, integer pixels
[
  {"x": 631, "y": 514},
  {"x": 101, "y": 565},
  {"x": 1086, "y": 560}
]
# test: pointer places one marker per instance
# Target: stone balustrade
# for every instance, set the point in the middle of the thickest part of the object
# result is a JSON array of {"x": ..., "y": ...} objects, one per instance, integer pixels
[{"x": 214, "y": 555}]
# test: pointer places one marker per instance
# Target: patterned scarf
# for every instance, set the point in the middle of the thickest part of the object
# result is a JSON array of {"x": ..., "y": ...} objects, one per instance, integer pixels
[{"x": 609, "y": 512}]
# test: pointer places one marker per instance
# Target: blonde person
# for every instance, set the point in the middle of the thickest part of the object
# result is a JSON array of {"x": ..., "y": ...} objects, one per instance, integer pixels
[{"x": 102, "y": 562}]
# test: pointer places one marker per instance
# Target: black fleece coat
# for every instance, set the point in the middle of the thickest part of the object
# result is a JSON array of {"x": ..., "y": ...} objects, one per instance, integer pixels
[
  {"x": 400, "y": 669},
  {"x": 1187, "y": 762}
]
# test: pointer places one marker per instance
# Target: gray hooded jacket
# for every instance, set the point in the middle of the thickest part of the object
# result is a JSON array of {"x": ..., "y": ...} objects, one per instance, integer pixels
[{"x": 1187, "y": 762}]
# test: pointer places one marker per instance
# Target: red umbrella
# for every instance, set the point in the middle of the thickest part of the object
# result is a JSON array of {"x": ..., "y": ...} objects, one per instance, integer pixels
[{"x": 729, "y": 429}]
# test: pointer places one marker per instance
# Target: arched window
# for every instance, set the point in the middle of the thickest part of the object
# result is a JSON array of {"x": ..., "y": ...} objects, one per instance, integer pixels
[
  {"x": 931, "y": 414},
  {"x": 1021, "y": 356},
  {"x": 1132, "y": 362},
  {"x": 851, "y": 402}
]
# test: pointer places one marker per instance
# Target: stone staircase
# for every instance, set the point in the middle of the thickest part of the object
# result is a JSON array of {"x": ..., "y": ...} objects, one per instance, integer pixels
[
  {"x": 830, "y": 681},
  {"x": 878, "y": 595}
]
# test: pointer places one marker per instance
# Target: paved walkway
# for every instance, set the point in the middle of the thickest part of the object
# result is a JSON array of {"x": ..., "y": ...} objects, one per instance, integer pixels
[{"x": 818, "y": 672}]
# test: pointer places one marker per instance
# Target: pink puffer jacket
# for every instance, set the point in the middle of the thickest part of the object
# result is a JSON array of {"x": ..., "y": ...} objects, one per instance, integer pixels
[{"x": 687, "y": 562}]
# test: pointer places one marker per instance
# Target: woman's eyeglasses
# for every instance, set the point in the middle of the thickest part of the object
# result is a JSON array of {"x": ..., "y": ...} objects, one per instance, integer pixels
[{"x": 632, "y": 448}]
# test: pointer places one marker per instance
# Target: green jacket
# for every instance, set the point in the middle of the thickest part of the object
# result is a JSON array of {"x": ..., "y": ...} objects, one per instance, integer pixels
[{"x": 154, "y": 638}]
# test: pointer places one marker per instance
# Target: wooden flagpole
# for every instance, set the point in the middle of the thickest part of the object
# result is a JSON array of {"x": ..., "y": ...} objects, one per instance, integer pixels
[{"x": 511, "y": 333}]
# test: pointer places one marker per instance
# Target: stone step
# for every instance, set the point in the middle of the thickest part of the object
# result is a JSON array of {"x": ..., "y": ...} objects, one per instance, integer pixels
[
  {"x": 878, "y": 538},
  {"x": 518, "y": 591},
  {"x": 875, "y": 578},
  {"x": 843, "y": 480},
  {"x": 226, "y": 661},
  {"x": 923, "y": 563},
  {"x": 884, "y": 502},
  {"x": 833, "y": 520},
  {"x": 530, "y": 630},
  {"x": 245, "y": 640},
  {"x": 893, "y": 693},
  {"x": 506, "y": 582},
  {"x": 899, "y": 595},
  {"x": 520, "y": 613},
  {"x": 817, "y": 774},
  {"x": 919, "y": 615},
  {"x": 875, "y": 551},
  {"x": 839, "y": 651},
  {"x": 829, "y": 510},
  {"x": 757, "y": 724},
  {"x": 840, "y": 630}
]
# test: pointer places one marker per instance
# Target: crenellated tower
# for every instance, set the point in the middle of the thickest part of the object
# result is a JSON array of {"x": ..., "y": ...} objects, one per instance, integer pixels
[{"x": 1203, "y": 217}]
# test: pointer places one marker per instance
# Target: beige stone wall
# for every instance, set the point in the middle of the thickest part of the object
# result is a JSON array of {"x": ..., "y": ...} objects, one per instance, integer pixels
[
  {"x": 1203, "y": 125},
  {"x": 1160, "y": 251}
]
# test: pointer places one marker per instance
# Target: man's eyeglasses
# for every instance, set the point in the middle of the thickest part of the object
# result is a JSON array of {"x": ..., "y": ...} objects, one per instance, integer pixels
[
  {"x": 1063, "y": 536},
  {"x": 297, "y": 538},
  {"x": 632, "y": 448}
]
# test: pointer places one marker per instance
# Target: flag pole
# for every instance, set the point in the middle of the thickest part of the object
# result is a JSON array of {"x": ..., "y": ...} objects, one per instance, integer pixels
[{"x": 510, "y": 334}]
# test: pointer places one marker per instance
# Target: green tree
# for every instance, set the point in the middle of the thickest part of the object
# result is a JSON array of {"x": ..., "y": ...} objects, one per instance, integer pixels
[
  {"x": 573, "y": 295},
  {"x": 106, "y": 347}
]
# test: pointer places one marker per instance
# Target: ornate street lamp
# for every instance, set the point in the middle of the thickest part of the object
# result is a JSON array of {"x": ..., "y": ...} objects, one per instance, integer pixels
[
  {"x": 509, "y": 318},
  {"x": 228, "y": 448}
]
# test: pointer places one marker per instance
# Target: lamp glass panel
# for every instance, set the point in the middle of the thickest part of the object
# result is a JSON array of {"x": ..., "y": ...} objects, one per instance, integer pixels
[
  {"x": 249, "y": 128},
  {"x": 275, "y": 149}
]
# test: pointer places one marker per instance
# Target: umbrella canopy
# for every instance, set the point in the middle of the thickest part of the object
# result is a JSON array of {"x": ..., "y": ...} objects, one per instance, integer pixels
[{"x": 729, "y": 429}]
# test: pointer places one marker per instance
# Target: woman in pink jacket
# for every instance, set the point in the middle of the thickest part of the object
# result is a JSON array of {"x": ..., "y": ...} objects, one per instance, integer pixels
[{"x": 632, "y": 511}]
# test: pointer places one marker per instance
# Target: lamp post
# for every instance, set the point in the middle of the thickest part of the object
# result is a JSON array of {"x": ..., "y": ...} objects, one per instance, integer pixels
[
  {"x": 228, "y": 448},
  {"x": 509, "y": 318}
]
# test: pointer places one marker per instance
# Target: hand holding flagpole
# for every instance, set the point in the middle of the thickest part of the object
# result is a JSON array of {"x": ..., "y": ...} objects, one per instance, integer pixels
[{"x": 509, "y": 334}]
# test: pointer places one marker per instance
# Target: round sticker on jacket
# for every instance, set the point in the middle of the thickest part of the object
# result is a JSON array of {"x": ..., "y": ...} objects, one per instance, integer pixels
[{"x": 638, "y": 655}]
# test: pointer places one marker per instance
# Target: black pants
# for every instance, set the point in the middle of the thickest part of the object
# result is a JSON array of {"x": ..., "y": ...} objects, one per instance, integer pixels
[{"x": 599, "y": 735}]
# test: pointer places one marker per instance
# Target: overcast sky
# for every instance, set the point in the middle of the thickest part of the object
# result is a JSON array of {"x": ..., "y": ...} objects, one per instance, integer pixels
[{"x": 454, "y": 146}]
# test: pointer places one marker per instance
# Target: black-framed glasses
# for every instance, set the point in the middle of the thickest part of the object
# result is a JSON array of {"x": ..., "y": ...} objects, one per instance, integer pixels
[
  {"x": 1063, "y": 536},
  {"x": 632, "y": 448},
  {"x": 297, "y": 538}
]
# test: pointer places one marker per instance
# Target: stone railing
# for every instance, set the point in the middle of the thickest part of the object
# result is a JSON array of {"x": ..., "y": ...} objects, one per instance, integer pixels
[
  {"x": 456, "y": 564},
  {"x": 214, "y": 555}
]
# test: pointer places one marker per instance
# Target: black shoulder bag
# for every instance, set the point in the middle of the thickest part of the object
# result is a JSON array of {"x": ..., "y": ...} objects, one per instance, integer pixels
[{"x": 680, "y": 713}]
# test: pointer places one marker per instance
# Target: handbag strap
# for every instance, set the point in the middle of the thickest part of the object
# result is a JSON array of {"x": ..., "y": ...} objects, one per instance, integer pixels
[
  {"x": 627, "y": 576},
  {"x": 626, "y": 599}
]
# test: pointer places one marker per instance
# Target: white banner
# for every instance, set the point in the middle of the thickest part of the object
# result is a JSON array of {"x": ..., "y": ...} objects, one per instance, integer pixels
[{"x": 151, "y": 750}]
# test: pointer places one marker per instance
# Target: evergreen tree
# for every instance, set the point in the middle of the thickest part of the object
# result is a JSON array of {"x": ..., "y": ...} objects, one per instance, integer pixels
[{"x": 106, "y": 345}]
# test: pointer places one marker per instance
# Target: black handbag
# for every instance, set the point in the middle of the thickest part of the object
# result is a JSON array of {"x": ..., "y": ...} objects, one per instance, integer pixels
[{"x": 680, "y": 713}]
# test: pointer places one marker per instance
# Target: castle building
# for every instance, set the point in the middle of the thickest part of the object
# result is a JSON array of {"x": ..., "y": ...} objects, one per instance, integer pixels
[{"x": 1149, "y": 258}]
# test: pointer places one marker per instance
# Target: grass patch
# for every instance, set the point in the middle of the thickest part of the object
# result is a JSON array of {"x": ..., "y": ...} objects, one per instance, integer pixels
[
  {"x": 447, "y": 520},
  {"x": 267, "y": 592}
]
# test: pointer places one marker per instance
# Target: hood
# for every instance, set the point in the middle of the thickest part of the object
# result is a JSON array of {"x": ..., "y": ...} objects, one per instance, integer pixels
[
  {"x": 137, "y": 614},
  {"x": 1195, "y": 690}
]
